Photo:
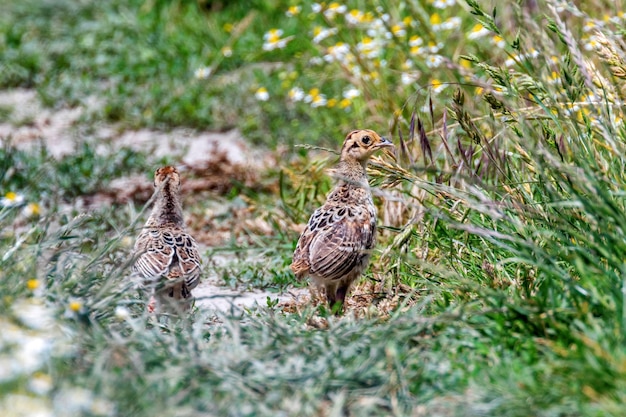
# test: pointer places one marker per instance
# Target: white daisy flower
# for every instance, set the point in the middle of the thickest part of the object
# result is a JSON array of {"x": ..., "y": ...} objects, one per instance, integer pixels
[
  {"x": 262, "y": 94},
  {"x": 202, "y": 73},
  {"x": 351, "y": 93},
  {"x": 296, "y": 94},
  {"x": 11, "y": 199}
]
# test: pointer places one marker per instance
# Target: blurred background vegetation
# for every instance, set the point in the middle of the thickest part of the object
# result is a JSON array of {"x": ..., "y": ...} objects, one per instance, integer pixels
[{"x": 498, "y": 285}]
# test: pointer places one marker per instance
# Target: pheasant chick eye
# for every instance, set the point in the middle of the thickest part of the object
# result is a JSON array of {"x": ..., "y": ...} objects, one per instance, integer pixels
[{"x": 336, "y": 244}]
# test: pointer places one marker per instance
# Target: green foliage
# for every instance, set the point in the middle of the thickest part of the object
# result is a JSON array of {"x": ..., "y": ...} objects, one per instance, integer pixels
[
  {"x": 81, "y": 173},
  {"x": 85, "y": 172}
]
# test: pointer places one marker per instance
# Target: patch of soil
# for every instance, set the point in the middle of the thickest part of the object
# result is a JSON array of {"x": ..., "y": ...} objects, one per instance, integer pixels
[
  {"x": 211, "y": 164},
  {"x": 210, "y": 295},
  {"x": 30, "y": 124},
  {"x": 366, "y": 299},
  {"x": 217, "y": 173}
]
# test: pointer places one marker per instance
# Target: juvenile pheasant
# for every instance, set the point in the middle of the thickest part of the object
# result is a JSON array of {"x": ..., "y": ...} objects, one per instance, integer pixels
[
  {"x": 335, "y": 247},
  {"x": 166, "y": 255}
]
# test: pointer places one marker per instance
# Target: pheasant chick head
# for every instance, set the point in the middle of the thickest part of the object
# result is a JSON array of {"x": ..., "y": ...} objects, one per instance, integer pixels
[
  {"x": 360, "y": 145},
  {"x": 167, "y": 174}
]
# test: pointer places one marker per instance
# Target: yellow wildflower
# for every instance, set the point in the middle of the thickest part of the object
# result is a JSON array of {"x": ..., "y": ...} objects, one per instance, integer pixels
[{"x": 75, "y": 306}]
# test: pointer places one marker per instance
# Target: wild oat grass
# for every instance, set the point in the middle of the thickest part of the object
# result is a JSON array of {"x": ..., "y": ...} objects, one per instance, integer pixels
[{"x": 503, "y": 210}]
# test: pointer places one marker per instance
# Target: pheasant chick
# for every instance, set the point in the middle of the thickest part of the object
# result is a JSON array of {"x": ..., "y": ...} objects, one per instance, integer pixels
[
  {"x": 335, "y": 247},
  {"x": 167, "y": 256}
]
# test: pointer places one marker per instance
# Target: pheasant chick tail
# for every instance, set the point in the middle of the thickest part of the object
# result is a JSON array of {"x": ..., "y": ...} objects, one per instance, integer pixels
[
  {"x": 335, "y": 247},
  {"x": 167, "y": 256}
]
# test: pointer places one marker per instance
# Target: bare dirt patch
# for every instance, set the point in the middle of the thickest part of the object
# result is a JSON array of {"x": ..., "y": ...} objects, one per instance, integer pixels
[
  {"x": 366, "y": 299},
  {"x": 211, "y": 295},
  {"x": 217, "y": 171},
  {"x": 210, "y": 163},
  {"x": 29, "y": 124}
]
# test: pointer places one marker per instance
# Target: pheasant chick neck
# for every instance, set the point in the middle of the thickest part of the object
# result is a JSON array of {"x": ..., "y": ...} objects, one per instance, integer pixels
[
  {"x": 351, "y": 171},
  {"x": 167, "y": 207}
]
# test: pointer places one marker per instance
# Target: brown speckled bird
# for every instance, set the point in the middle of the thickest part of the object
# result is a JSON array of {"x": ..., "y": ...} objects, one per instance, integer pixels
[
  {"x": 167, "y": 256},
  {"x": 336, "y": 244}
]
